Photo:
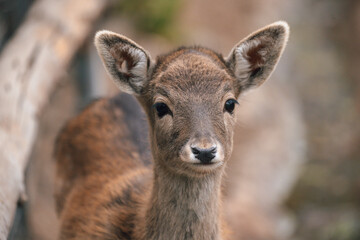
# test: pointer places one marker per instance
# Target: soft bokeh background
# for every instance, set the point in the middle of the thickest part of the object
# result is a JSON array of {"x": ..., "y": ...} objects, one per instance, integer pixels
[{"x": 317, "y": 82}]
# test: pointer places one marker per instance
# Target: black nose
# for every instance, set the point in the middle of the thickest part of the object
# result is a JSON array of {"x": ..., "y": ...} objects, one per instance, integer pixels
[{"x": 204, "y": 155}]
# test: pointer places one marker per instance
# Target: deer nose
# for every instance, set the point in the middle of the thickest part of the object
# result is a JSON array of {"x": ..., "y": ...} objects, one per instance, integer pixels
[{"x": 205, "y": 155}]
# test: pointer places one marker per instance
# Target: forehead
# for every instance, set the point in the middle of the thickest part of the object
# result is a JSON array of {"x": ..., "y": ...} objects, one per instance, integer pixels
[{"x": 192, "y": 72}]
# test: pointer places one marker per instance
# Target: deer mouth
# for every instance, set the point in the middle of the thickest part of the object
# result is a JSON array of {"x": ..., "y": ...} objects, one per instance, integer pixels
[{"x": 208, "y": 165}]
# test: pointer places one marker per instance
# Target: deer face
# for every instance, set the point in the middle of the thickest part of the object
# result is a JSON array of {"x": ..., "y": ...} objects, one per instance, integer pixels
[
  {"x": 190, "y": 95},
  {"x": 191, "y": 106}
]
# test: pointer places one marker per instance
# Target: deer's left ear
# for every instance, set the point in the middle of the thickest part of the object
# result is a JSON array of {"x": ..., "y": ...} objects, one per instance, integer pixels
[{"x": 253, "y": 59}]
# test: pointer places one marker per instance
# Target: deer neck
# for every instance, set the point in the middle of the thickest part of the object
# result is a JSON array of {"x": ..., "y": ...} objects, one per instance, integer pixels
[{"x": 182, "y": 207}]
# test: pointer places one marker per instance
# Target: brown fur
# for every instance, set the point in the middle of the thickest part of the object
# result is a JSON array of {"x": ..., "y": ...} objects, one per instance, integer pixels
[{"x": 106, "y": 188}]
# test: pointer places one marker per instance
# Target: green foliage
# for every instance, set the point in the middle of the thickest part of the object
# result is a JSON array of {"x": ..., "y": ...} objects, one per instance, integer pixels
[{"x": 152, "y": 16}]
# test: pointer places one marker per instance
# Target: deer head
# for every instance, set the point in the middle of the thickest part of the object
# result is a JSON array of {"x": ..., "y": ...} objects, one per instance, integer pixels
[{"x": 190, "y": 95}]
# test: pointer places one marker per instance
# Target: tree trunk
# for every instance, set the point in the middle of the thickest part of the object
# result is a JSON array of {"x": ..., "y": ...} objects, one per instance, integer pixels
[{"x": 30, "y": 65}]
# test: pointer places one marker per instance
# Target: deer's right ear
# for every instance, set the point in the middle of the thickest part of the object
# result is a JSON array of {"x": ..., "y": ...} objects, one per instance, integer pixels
[{"x": 126, "y": 62}]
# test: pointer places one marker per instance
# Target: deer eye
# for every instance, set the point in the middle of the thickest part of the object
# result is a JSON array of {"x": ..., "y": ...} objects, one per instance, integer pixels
[
  {"x": 162, "y": 109},
  {"x": 230, "y": 105}
]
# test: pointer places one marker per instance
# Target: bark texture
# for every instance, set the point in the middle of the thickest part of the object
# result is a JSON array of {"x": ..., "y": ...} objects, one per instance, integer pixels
[{"x": 30, "y": 65}]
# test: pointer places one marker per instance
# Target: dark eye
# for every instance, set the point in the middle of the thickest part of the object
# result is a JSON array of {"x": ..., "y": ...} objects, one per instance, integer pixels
[
  {"x": 162, "y": 109},
  {"x": 230, "y": 105}
]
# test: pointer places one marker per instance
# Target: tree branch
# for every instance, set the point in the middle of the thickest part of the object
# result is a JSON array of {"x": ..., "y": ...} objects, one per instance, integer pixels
[{"x": 30, "y": 65}]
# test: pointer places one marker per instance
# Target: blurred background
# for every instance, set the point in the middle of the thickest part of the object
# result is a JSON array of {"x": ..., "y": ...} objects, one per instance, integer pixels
[{"x": 297, "y": 149}]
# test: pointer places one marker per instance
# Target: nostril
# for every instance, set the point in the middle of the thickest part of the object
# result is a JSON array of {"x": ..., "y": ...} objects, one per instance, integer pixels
[
  {"x": 195, "y": 150},
  {"x": 204, "y": 155},
  {"x": 213, "y": 150}
]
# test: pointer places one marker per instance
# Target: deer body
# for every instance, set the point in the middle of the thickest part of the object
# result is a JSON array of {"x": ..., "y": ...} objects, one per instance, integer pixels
[{"x": 107, "y": 186}]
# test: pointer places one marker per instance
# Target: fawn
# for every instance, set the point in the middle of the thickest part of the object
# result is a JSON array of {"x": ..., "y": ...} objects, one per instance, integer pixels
[{"x": 109, "y": 187}]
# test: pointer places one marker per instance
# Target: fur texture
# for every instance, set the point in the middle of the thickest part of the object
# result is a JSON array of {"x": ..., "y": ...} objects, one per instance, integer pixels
[
  {"x": 124, "y": 60},
  {"x": 254, "y": 58},
  {"x": 106, "y": 188}
]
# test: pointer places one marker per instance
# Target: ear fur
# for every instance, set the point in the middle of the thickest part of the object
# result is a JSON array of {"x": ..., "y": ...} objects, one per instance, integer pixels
[
  {"x": 126, "y": 62},
  {"x": 254, "y": 58}
]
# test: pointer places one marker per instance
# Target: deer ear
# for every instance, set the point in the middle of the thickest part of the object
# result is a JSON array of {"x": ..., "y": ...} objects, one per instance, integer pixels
[
  {"x": 126, "y": 62},
  {"x": 253, "y": 59}
]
